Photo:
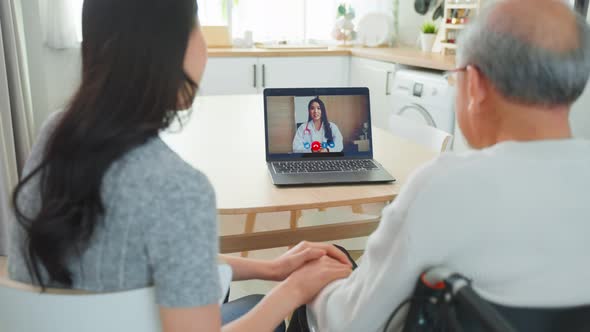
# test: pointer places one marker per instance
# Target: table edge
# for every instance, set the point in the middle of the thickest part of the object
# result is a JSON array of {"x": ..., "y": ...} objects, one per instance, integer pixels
[{"x": 306, "y": 206}]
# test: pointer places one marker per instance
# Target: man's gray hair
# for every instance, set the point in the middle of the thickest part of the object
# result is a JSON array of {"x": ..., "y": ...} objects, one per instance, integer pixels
[{"x": 522, "y": 71}]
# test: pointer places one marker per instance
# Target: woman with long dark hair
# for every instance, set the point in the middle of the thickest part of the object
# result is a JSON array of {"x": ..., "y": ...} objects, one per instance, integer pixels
[
  {"x": 318, "y": 134},
  {"x": 104, "y": 205}
]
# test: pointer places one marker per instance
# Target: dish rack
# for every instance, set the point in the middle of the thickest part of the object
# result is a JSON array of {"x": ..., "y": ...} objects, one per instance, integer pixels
[{"x": 458, "y": 13}]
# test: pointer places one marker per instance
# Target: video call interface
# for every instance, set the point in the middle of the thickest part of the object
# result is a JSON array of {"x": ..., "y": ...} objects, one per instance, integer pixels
[{"x": 305, "y": 125}]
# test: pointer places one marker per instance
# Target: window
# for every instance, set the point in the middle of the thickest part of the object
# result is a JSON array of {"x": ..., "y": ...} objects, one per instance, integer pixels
[
  {"x": 61, "y": 22},
  {"x": 293, "y": 20},
  {"x": 269, "y": 20},
  {"x": 213, "y": 12}
]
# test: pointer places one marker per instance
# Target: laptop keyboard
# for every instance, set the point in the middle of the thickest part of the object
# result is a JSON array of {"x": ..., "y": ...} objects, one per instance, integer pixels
[{"x": 323, "y": 166}]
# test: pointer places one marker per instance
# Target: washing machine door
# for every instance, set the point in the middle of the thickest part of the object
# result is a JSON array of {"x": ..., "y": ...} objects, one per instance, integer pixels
[{"x": 417, "y": 114}]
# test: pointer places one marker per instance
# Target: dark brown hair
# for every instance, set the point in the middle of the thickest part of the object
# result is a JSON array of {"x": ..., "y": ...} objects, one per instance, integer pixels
[
  {"x": 133, "y": 83},
  {"x": 325, "y": 121}
]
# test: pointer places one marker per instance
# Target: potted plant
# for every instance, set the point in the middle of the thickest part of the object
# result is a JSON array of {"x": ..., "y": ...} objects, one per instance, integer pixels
[
  {"x": 344, "y": 27},
  {"x": 428, "y": 36}
]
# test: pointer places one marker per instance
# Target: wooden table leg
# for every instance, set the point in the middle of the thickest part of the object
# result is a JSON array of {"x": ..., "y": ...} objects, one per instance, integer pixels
[
  {"x": 295, "y": 215},
  {"x": 249, "y": 228}
]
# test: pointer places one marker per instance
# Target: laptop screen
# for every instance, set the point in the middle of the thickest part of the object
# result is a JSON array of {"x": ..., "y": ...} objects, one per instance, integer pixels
[{"x": 317, "y": 123}]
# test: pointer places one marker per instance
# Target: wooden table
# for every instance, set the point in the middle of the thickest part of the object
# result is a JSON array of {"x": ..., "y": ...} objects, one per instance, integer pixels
[{"x": 224, "y": 138}]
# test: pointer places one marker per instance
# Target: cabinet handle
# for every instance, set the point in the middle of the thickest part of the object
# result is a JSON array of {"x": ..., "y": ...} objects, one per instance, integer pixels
[
  {"x": 387, "y": 92},
  {"x": 255, "y": 76},
  {"x": 264, "y": 76}
]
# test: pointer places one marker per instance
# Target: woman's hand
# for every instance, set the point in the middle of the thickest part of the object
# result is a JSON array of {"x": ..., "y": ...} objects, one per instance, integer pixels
[
  {"x": 310, "y": 279},
  {"x": 300, "y": 288},
  {"x": 301, "y": 254}
]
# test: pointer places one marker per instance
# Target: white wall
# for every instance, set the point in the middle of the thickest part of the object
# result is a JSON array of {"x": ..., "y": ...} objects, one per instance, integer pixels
[
  {"x": 53, "y": 74},
  {"x": 410, "y": 22},
  {"x": 62, "y": 71},
  {"x": 36, "y": 62},
  {"x": 580, "y": 117},
  {"x": 301, "y": 113}
]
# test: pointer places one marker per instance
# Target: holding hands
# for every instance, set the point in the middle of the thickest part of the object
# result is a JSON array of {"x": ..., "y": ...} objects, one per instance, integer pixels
[
  {"x": 304, "y": 253},
  {"x": 305, "y": 269}
]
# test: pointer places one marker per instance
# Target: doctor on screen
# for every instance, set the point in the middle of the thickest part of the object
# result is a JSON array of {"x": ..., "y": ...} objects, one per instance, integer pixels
[{"x": 318, "y": 135}]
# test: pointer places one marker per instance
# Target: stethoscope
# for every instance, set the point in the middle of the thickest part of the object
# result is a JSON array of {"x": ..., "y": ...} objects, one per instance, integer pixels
[{"x": 307, "y": 130}]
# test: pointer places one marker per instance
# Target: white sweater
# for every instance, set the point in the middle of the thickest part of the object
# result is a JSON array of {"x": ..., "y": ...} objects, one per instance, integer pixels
[{"x": 515, "y": 218}]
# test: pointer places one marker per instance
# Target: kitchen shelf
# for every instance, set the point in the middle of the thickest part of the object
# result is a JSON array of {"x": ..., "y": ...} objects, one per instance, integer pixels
[
  {"x": 455, "y": 26},
  {"x": 450, "y": 31},
  {"x": 462, "y": 6},
  {"x": 450, "y": 45}
]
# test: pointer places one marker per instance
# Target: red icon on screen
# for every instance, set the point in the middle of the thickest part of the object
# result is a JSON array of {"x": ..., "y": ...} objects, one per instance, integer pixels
[{"x": 316, "y": 146}]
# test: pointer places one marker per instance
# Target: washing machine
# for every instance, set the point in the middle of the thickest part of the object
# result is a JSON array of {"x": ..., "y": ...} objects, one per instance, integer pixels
[{"x": 424, "y": 97}]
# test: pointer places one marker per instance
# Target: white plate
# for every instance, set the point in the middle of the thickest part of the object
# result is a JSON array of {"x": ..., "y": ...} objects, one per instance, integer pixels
[{"x": 375, "y": 29}]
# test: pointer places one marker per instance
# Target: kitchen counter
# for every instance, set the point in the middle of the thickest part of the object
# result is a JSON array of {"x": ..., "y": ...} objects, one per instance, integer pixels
[{"x": 402, "y": 55}]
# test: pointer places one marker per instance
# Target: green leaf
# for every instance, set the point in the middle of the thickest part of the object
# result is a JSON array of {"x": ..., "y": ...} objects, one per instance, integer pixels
[
  {"x": 342, "y": 10},
  {"x": 428, "y": 27},
  {"x": 224, "y": 4}
]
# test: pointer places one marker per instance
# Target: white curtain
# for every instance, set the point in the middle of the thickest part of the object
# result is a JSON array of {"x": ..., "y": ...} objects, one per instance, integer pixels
[
  {"x": 16, "y": 117},
  {"x": 61, "y": 22}
]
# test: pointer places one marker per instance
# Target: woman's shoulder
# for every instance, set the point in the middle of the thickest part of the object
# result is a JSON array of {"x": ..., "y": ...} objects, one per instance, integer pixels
[{"x": 155, "y": 166}]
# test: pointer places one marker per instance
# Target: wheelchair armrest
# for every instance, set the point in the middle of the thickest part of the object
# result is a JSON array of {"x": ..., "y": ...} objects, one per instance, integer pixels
[{"x": 463, "y": 294}]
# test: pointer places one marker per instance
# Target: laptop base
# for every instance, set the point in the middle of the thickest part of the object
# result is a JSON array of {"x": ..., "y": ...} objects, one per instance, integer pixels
[{"x": 331, "y": 178}]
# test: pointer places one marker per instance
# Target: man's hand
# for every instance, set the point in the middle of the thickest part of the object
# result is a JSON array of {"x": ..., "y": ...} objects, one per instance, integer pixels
[
  {"x": 301, "y": 254},
  {"x": 310, "y": 279}
]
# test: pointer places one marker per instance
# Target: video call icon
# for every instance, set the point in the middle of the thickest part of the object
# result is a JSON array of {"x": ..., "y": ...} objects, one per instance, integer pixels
[
  {"x": 332, "y": 145},
  {"x": 316, "y": 146}
]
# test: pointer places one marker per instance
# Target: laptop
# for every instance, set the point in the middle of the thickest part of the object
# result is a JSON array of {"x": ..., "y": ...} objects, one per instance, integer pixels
[{"x": 320, "y": 136}]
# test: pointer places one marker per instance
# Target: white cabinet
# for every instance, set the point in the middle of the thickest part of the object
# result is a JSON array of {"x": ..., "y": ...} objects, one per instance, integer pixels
[
  {"x": 251, "y": 75},
  {"x": 378, "y": 77},
  {"x": 230, "y": 76},
  {"x": 305, "y": 72}
]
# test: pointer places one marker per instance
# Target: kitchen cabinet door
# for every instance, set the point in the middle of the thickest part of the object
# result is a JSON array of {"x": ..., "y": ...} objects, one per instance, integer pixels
[
  {"x": 304, "y": 72},
  {"x": 230, "y": 76},
  {"x": 378, "y": 77}
]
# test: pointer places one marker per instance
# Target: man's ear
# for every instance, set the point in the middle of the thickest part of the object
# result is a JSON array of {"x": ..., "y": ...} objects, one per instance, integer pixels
[{"x": 477, "y": 89}]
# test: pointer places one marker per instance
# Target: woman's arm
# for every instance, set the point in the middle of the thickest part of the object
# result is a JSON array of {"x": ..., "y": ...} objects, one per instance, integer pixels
[
  {"x": 298, "y": 289},
  {"x": 247, "y": 268},
  {"x": 206, "y": 319},
  {"x": 298, "y": 142},
  {"x": 281, "y": 267},
  {"x": 266, "y": 316}
]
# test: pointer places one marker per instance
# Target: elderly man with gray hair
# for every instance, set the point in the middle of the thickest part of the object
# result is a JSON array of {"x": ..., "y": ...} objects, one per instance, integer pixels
[{"x": 514, "y": 214}]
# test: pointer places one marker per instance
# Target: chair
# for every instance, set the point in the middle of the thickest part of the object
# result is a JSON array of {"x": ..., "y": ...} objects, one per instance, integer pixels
[
  {"x": 445, "y": 301},
  {"x": 24, "y": 309},
  {"x": 430, "y": 137}
]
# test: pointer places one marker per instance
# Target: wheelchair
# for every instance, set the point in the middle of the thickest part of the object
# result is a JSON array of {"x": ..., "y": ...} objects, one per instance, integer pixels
[{"x": 444, "y": 301}]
